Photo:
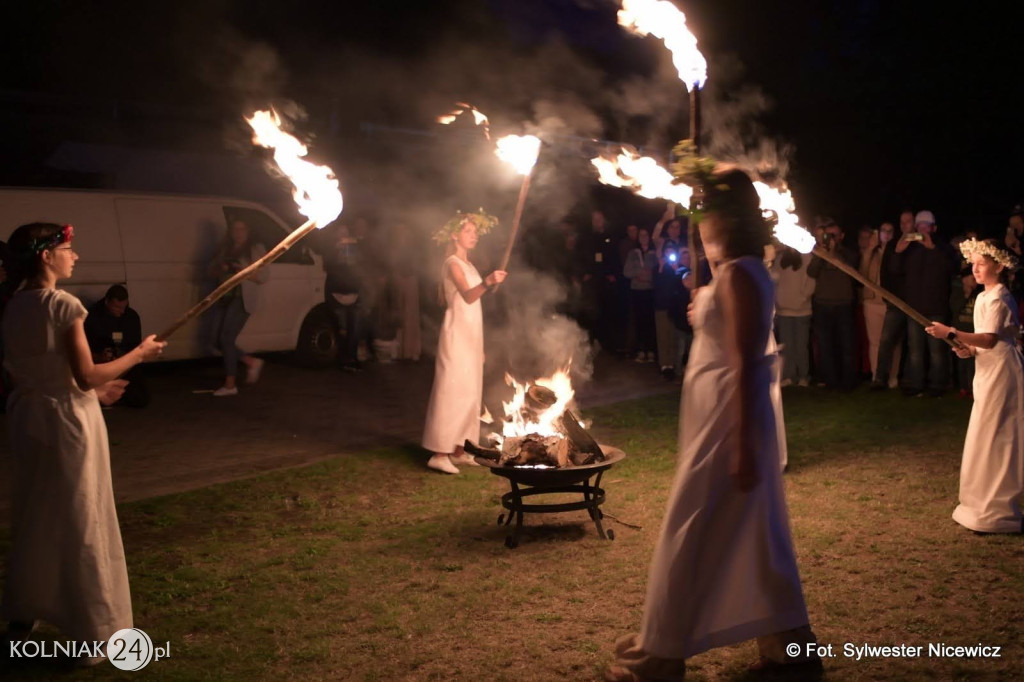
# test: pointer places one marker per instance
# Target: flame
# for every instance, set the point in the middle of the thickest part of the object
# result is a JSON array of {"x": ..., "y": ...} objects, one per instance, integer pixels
[
  {"x": 519, "y": 151},
  {"x": 787, "y": 230},
  {"x": 664, "y": 20},
  {"x": 643, "y": 175},
  {"x": 516, "y": 424},
  {"x": 316, "y": 189},
  {"x": 478, "y": 117}
]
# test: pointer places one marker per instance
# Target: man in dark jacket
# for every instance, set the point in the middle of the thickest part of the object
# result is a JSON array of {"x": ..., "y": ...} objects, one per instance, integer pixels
[
  {"x": 833, "y": 300},
  {"x": 928, "y": 264},
  {"x": 112, "y": 329},
  {"x": 600, "y": 271}
]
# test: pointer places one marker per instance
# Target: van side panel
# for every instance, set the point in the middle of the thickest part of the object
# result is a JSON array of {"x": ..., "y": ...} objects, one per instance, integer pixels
[
  {"x": 167, "y": 244},
  {"x": 97, "y": 243}
]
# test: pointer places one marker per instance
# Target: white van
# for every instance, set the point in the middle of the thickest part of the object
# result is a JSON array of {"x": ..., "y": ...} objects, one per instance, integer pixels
[{"x": 159, "y": 247}]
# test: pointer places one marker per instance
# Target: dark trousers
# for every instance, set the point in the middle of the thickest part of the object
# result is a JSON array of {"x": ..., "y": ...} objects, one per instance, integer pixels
[
  {"x": 347, "y": 317},
  {"x": 833, "y": 325},
  {"x": 136, "y": 393},
  {"x": 643, "y": 313},
  {"x": 894, "y": 328},
  {"x": 927, "y": 358}
]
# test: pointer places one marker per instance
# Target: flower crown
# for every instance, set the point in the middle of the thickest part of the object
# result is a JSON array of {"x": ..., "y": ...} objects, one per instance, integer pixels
[
  {"x": 972, "y": 247},
  {"x": 484, "y": 222},
  {"x": 40, "y": 244}
]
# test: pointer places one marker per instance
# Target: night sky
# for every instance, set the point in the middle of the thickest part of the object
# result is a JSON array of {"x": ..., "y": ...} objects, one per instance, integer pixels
[{"x": 886, "y": 105}]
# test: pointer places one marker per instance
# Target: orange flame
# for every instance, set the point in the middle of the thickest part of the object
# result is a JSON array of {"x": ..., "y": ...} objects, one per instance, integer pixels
[
  {"x": 787, "y": 230},
  {"x": 519, "y": 151},
  {"x": 516, "y": 424},
  {"x": 478, "y": 117},
  {"x": 643, "y": 175},
  {"x": 316, "y": 188},
  {"x": 664, "y": 20}
]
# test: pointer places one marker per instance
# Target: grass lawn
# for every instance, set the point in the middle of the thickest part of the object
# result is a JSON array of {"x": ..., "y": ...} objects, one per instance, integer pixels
[{"x": 368, "y": 567}]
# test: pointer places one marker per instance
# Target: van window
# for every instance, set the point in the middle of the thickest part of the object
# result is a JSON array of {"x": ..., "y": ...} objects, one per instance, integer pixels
[{"x": 266, "y": 231}]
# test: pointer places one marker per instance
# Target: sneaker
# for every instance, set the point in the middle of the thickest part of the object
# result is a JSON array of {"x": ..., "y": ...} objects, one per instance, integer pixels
[
  {"x": 803, "y": 383},
  {"x": 225, "y": 391},
  {"x": 785, "y": 382},
  {"x": 650, "y": 356},
  {"x": 442, "y": 463},
  {"x": 252, "y": 375},
  {"x": 640, "y": 357}
]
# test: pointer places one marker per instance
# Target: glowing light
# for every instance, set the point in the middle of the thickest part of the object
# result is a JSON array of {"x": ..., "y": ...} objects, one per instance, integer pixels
[{"x": 316, "y": 188}]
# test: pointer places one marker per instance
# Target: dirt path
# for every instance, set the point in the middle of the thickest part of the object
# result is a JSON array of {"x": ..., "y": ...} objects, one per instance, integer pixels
[{"x": 293, "y": 417}]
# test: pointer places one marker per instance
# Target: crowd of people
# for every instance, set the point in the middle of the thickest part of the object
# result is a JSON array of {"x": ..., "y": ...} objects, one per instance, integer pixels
[{"x": 630, "y": 290}]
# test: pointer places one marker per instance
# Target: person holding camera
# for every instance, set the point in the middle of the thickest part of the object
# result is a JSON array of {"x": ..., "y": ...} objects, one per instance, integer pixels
[
  {"x": 670, "y": 322},
  {"x": 112, "y": 329},
  {"x": 833, "y": 311},
  {"x": 929, "y": 265},
  {"x": 894, "y": 324}
]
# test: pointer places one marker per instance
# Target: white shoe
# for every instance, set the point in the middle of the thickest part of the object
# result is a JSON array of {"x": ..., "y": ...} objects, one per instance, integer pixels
[
  {"x": 252, "y": 375},
  {"x": 225, "y": 391},
  {"x": 442, "y": 463},
  {"x": 464, "y": 459},
  {"x": 786, "y": 382}
]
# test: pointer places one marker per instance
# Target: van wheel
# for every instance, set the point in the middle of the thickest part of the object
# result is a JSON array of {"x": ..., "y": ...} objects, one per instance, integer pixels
[{"x": 318, "y": 339}]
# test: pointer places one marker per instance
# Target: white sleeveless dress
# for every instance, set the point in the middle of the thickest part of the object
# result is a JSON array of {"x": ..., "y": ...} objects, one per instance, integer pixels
[
  {"x": 992, "y": 470},
  {"x": 453, "y": 414},
  {"x": 724, "y": 570},
  {"x": 67, "y": 564}
]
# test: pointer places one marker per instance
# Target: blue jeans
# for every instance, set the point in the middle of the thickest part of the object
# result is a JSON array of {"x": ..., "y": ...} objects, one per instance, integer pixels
[
  {"x": 794, "y": 336},
  {"x": 833, "y": 325},
  {"x": 229, "y": 319},
  {"x": 927, "y": 358}
]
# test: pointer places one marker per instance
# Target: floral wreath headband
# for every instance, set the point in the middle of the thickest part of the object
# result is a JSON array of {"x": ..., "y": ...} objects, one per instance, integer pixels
[
  {"x": 40, "y": 244},
  {"x": 972, "y": 247},
  {"x": 484, "y": 222}
]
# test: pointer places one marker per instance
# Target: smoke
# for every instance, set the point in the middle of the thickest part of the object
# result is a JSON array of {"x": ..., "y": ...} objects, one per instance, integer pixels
[
  {"x": 529, "y": 337},
  {"x": 733, "y": 122}
]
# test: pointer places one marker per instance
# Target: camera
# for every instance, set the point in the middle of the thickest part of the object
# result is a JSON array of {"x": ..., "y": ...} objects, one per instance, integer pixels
[{"x": 915, "y": 237}]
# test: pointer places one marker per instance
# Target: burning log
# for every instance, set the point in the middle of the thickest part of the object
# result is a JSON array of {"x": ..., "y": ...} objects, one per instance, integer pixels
[{"x": 540, "y": 429}]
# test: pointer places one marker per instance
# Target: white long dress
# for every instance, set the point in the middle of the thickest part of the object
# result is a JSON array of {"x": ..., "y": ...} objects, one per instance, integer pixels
[
  {"x": 453, "y": 414},
  {"x": 66, "y": 564},
  {"x": 724, "y": 570},
  {"x": 992, "y": 471}
]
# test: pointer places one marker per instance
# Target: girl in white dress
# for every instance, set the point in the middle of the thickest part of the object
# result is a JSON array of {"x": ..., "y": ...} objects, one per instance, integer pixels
[
  {"x": 724, "y": 569},
  {"x": 454, "y": 411},
  {"x": 992, "y": 470},
  {"x": 66, "y": 564}
]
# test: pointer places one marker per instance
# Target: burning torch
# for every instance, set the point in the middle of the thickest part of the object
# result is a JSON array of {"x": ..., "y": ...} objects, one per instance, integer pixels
[
  {"x": 520, "y": 152},
  {"x": 316, "y": 192},
  {"x": 664, "y": 20}
]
